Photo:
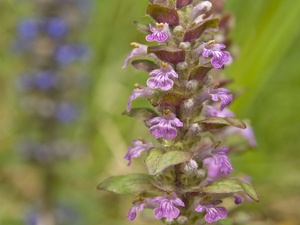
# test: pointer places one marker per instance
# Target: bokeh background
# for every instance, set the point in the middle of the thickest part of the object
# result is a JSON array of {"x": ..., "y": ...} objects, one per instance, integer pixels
[{"x": 266, "y": 74}]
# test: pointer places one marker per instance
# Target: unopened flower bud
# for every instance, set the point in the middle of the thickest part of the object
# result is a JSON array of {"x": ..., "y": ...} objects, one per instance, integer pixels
[
  {"x": 169, "y": 221},
  {"x": 206, "y": 80},
  {"x": 201, "y": 8},
  {"x": 192, "y": 85},
  {"x": 181, "y": 66},
  {"x": 188, "y": 104},
  {"x": 182, "y": 220},
  {"x": 200, "y": 173},
  {"x": 194, "y": 130},
  {"x": 190, "y": 167},
  {"x": 178, "y": 31},
  {"x": 185, "y": 45}
]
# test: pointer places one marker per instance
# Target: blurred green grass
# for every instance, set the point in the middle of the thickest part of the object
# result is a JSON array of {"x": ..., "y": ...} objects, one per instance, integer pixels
[{"x": 266, "y": 72}]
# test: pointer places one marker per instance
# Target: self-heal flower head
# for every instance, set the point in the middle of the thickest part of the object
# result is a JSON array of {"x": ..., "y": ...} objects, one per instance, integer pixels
[
  {"x": 138, "y": 50},
  {"x": 166, "y": 206},
  {"x": 138, "y": 205},
  {"x": 222, "y": 94},
  {"x": 219, "y": 57},
  {"x": 162, "y": 77},
  {"x": 139, "y": 146},
  {"x": 139, "y": 92},
  {"x": 164, "y": 127},
  {"x": 213, "y": 213},
  {"x": 160, "y": 33}
]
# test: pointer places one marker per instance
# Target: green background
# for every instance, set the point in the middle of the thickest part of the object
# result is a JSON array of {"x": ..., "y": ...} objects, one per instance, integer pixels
[{"x": 266, "y": 73}]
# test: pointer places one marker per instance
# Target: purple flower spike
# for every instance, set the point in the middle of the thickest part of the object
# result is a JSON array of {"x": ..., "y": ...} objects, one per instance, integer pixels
[
  {"x": 165, "y": 126},
  {"x": 139, "y": 146},
  {"x": 138, "y": 50},
  {"x": 222, "y": 160},
  {"x": 219, "y": 57},
  {"x": 138, "y": 205},
  {"x": 159, "y": 33},
  {"x": 139, "y": 92},
  {"x": 213, "y": 213},
  {"x": 166, "y": 206},
  {"x": 162, "y": 77},
  {"x": 221, "y": 93}
]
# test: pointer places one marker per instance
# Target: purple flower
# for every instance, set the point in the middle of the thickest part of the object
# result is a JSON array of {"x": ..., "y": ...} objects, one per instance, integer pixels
[
  {"x": 138, "y": 50},
  {"x": 165, "y": 126},
  {"x": 66, "y": 113},
  {"x": 138, "y": 205},
  {"x": 238, "y": 199},
  {"x": 28, "y": 29},
  {"x": 248, "y": 134},
  {"x": 213, "y": 213},
  {"x": 45, "y": 80},
  {"x": 221, "y": 93},
  {"x": 219, "y": 57},
  {"x": 139, "y": 92},
  {"x": 212, "y": 111},
  {"x": 221, "y": 160},
  {"x": 139, "y": 146},
  {"x": 166, "y": 206},
  {"x": 160, "y": 33},
  {"x": 57, "y": 27},
  {"x": 162, "y": 77}
]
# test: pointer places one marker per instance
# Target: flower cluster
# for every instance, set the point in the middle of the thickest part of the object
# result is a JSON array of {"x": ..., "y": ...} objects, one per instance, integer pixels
[
  {"x": 50, "y": 88},
  {"x": 53, "y": 77},
  {"x": 188, "y": 164}
]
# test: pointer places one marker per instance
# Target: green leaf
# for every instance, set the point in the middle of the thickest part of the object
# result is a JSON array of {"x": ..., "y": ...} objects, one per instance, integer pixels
[
  {"x": 163, "y": 14},
  {"x": 144, "y": 65},
  {"x": 167, "y": 54},
  {"x": 152, "y": 160},
  {"x": 231, "y": 186},
  {"x": 196, "y": 31},
  {"x": 219, "y": 122},
  {"x": 128, "y": 184},
  {"x": 199, "y": 72},
  {"x": 141, "y": 113},
  {"x": 157, "y": 161}
]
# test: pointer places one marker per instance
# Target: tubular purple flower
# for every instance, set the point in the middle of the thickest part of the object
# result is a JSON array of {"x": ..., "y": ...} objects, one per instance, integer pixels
[
  {"x": 166, "y": 206},
  {"x": 139, "y": 146},
  {"x": 164, "y": 127},
  {"x": 138, "y": 50},
  {"x": 221, "y": 93},
  {"x": 222, "y": 160},
  {"x": 162, "y": 77},
  {"x": 219, "y": 57},
  {"x": 139, "y": 92},
  {"x": 160, "y": 33},
  {"x": 248, "y": 134},
  {"x": 213, "y": 213},
  {"x": 212, "y": 111},
  {"x": 238, "y": 199},
  {"x": 138, "y": 205}
]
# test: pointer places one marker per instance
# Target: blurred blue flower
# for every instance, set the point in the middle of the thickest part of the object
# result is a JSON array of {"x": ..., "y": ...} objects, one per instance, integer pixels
[
  {"x": 66, "y": 113},
  {"x": 28, "y": 29},
  {"x": 57, "y": 27}
]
